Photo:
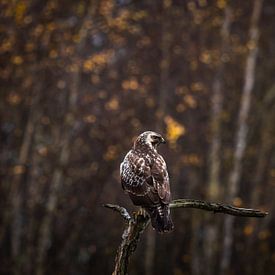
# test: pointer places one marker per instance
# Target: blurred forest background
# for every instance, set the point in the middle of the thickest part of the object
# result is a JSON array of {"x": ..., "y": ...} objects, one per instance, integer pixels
[{"x": 81, "y": 79}]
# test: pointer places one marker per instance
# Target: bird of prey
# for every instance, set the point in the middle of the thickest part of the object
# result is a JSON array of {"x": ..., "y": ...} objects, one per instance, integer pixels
[{"x": 145, "y": 178}]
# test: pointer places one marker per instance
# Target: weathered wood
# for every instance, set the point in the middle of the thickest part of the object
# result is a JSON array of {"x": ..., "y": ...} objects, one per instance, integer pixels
[
  {"x": 136, "y": 225},
  {"x": 217, "y": 208},
  {"x": 134, "y": 228}
]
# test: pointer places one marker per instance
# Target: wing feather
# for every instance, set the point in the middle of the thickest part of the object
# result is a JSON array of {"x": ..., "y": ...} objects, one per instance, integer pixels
[
  {"x": 161, "y": 179},
  {"x": 146, "y": 181}
]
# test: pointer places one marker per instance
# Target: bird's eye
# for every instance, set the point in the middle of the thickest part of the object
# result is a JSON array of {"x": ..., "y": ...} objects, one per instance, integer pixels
[{"x": 155, "y": 137}]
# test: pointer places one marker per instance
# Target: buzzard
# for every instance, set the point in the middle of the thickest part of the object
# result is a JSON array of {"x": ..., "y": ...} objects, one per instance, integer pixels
[{"x": 145, "y": 178}]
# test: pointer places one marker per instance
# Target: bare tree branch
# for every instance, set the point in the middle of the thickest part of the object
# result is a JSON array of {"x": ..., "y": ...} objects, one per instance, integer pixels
[
  {"x": 136, "y": 225},
  {"x": 217, "y": 208},
  {"x": 134, "y": 228},
  {"x": 121, "y": 210}
]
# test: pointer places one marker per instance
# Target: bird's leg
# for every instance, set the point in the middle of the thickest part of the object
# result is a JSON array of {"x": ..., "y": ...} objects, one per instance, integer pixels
[{"x": 142, "y": 212}]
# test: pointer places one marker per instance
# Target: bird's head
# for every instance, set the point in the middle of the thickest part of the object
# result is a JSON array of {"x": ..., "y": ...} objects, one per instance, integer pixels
[{"x": 149, "y": 138}]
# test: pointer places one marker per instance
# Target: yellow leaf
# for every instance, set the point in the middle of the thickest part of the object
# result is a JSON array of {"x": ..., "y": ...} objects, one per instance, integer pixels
[
  {"x": 90, "y": 118},
  {"x": 221, "y": 4},
  {"x": 130, "y": 84},
  {"x": 18, "y": 169},
  {"x": 111, "y": 153},
  {"x": 190, "y": 101},
  {"x": 98, "y": 60},
  {"x": 20, "y": 10},
  {"x": 53, "y": 54},
  {"x": 174, "y": 130},
  {"x": 14, "y": 98},
  {"x": 237, "y": 202},
  {"x": 205, "y": 57},
  {"x": 112, "y": 104},
  {"x": 248, "y": 230},
  {"x": 197, "y": 87},
  {"x": 17, "y": 60}
]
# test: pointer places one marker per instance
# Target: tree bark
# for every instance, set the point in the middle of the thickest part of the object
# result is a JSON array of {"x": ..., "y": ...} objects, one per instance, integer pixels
[
  {"x": 20, "y": 171},
  {"x": 214, "y": 188},
  {"x": 65, "y": 138},
  {"x": 137, "y": 224},
  {"x": 164, "y": 76},
  {"x": 267, "y": 134},
  {"x": 242, "y": 128},
  {"x": 216, "y": 111},
  {"x": 265, "y": 152}
]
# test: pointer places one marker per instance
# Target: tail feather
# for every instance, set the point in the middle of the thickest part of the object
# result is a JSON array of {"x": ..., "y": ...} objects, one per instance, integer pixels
[{"x": 160, "y": 218}]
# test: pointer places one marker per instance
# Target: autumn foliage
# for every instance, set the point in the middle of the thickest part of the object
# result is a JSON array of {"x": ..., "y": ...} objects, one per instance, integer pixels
[{"x": 81, "y": 79}]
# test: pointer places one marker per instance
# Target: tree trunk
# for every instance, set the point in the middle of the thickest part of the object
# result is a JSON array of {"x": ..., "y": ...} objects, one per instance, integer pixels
[
  {"x": 65, "y": 138},
  {"x": 211, "y": 231},
  {"x": 20, "y": 172},
  {"x": 267, "y": 134},
  {"x": 164, "y": 76},
  {"x": 263, "y": 158},
  {"x": 241, "y": 134},
  {"x": 267, "y": 226},
  {"x": 135, "y": 225}
]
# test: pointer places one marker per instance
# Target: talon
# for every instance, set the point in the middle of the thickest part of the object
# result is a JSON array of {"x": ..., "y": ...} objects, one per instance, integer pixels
[
  {"x": 135, "y": 214},
  {"x": 142, "y": 212}
]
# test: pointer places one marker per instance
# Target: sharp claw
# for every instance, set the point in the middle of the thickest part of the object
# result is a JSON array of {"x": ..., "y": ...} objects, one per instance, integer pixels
[{"x": 142, "y": 212}]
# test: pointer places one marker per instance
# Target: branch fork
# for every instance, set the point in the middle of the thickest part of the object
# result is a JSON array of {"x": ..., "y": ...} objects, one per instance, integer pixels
[{"x": 136, "y": 225}]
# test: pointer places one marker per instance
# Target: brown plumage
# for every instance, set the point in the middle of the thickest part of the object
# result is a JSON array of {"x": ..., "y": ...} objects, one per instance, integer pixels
[{"x": 145, "y": 177}]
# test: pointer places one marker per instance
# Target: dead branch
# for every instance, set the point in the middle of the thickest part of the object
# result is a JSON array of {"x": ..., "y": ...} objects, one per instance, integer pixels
[
  {"x": 136, "y": 225},
  {"x": 217, "y": 208},
  {"x": 121, "y": 210}
]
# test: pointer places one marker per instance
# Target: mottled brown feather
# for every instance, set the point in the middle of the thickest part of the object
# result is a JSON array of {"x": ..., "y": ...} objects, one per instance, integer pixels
[{"x": 144, "y": 176}]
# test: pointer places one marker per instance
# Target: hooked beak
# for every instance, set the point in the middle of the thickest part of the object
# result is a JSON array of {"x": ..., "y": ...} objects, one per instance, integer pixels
[{"x": 163, "y": 141}]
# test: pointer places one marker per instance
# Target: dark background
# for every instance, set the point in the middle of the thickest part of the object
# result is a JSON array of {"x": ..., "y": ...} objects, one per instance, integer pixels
[{"x": 81, "y": 79}]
